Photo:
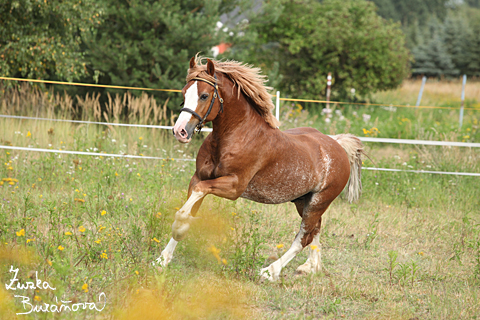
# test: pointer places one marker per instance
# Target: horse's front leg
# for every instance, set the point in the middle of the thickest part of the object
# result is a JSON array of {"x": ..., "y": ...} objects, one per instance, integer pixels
[{"x": 225, "y": 187}]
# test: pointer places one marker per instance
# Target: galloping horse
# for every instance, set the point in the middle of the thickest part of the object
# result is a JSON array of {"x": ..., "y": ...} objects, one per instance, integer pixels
[{"x": 247, "y": 156}]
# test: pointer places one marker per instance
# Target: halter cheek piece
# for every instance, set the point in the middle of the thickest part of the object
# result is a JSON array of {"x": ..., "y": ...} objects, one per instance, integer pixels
[{"x": 215, "y": 95}]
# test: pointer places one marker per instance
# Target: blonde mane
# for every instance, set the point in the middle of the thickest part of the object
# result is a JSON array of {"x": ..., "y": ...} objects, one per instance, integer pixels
[{"x": 247, "y": 79}]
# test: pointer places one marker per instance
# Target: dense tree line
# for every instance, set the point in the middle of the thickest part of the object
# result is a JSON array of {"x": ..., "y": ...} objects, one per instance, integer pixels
[
  {"x": 443, "y": 35},
  {"x": 148, "y": 42}
]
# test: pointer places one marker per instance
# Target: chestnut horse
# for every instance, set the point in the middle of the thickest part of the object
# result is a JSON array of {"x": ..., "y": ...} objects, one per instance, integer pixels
[{"x": 247, "y": 156}]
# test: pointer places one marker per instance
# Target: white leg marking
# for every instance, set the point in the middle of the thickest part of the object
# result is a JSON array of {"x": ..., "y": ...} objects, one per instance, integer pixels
[
  {"x": 183, "y": 217},
  {"x": 167, "y": 253},
  {"x": 272, "y": 272},
  {"x": 179, "y": 228},
  {"x": 314, "y": 261}
]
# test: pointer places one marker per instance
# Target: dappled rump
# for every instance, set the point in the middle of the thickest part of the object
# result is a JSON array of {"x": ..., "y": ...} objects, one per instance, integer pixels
[{"x": 248, "y": 80}]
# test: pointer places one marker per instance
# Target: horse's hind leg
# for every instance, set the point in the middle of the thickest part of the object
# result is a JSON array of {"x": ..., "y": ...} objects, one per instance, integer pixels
[
  {"x": 312, "y": 217},
  {"x": 272, "y": 272},
  {"x": 309, "y": 234},
  {"x": 314, "y": 261}
]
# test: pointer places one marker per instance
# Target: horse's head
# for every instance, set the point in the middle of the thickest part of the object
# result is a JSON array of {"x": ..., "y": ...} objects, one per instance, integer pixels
[{"x": 202, "y": 103}]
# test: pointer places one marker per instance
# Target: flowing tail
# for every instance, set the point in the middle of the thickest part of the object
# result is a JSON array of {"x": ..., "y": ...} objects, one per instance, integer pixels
[{"x": 354, "y": 148}]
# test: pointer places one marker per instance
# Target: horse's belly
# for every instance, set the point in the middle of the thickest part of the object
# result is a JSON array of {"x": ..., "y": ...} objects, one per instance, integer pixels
[{"x": 276, "y": 190}]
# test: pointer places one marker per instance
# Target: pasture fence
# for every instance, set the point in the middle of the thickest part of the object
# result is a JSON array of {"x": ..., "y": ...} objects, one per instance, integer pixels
[
  {"x": 277, "y": 114},
  {"x": 129, "y": 156}
]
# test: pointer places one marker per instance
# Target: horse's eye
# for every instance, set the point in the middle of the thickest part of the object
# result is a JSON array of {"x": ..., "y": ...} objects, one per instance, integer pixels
[{"x": 204, "y": 96}]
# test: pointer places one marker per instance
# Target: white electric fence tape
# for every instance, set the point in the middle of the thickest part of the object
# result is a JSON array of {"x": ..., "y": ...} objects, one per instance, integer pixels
[
  {"x": 100, "y": 123},
  {"x": 366, "y": 139},
  {"x": 91, "y": 153},
  {"x": 177, "y": 159}
]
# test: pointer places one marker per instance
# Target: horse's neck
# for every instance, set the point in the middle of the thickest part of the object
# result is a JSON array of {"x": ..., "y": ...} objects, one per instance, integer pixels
[{"x": 238, "y": 121}]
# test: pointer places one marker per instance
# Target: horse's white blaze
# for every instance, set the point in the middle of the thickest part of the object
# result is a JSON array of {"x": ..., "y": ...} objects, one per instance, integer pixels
[
  {"x": 272, "y": 272},
  {"x": 191, "y": 101}
]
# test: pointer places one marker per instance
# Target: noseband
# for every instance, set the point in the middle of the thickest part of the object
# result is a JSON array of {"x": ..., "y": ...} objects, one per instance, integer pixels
[{"x": 215, "y": 95}]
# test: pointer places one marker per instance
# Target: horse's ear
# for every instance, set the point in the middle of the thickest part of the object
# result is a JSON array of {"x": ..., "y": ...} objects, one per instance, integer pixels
[
  {"x": 210, "y": 67},
  {"x": 192, "y": 63}
]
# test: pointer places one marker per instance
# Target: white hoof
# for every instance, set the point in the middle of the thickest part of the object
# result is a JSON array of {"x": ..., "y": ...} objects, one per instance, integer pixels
[
  {"x": 308, "y": 267},
  {"x": 269, "y": 274}
]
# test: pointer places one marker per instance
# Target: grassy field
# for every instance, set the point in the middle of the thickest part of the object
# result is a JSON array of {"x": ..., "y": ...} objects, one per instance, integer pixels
[{"x": 409, "y": 249}]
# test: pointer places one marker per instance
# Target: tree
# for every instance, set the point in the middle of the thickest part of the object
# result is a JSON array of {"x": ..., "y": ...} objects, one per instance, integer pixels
[
  {"x": 310, "y": 39},
  {"x": 431, "y": 55},
  {"x": 41, "y": 39},
  {"x": 457, "y": 32},
  {"x": 148, "y": 43},
  {"x": 409, "y": 11}
]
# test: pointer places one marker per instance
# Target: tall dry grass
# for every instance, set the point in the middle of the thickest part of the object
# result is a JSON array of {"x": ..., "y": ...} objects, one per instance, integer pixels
[
  {"x": 26, "y": 99},
  {"x": 435, "y": 90}
]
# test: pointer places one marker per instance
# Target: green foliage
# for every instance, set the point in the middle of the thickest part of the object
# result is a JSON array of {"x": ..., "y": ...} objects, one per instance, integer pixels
[
  {"x": 409, "y": 11},
  {"x": 149, "y": 43},
  {"x": 431, "y": 54},
  {"x": 310, "y": 39},
  {"x": 42, "y": 39}
]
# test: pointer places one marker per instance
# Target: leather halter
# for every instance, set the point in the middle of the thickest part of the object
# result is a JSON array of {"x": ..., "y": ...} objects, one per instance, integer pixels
[{"x": 215, "y": 95}]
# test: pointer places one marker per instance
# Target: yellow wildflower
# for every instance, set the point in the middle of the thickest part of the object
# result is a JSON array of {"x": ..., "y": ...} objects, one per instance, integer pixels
[
  {"x": 30, "y": 240},
  {"x": 280, "y": 246},
  {"x": 68, "y": 233},
  {"x": 103, "y": 212},
  {"x": 29, "y": 134},
  {"x": 60, "y": 248},
  {"x": 136, "y": 272},
  {"x": 85, "y": 287},
  {"x": 37, "y": 298},
  {"x": 156, "y": 240},
  {"x": 20, "y": 233},
  {"x": 81, "y": 229},
  {"x": 98, "y": 241},
  {"x": 215, "y": 252}
]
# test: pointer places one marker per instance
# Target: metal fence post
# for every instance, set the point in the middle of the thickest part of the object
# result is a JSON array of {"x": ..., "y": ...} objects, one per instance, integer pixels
[
  {"x": 463, "y": 99},
  {"x": 277, "y": 106},
  {"x": 419, "y": 99},
  {"x": 329, "y": 84}
]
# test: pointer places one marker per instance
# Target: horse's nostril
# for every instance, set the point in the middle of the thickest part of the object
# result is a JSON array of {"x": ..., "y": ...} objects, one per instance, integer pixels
[{"x": 183, "y": 133}]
